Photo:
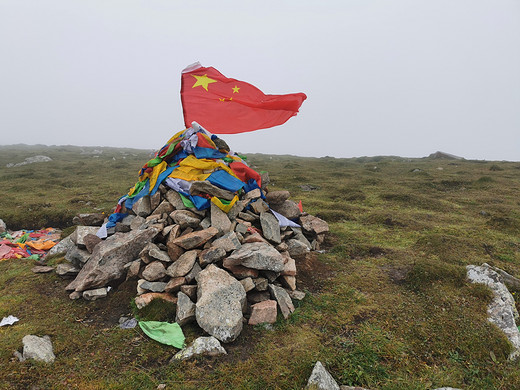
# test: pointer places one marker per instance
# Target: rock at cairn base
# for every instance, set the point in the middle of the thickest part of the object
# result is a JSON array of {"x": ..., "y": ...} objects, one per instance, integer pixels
[
  {"x": 206, "y": 346},
  {"x": 109, "y": 257},
  {"x": 219, "y": 305}
]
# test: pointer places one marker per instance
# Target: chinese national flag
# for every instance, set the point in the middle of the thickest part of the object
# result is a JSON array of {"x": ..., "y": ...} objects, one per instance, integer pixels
[{"x": 228, "y": 106}]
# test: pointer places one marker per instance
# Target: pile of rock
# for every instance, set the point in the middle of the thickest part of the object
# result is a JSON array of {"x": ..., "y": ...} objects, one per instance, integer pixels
[{"x": 218, "y": 267}]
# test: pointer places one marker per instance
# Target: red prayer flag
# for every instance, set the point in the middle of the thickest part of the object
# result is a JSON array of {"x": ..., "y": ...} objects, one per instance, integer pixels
[{"x": 229, "y": 106}]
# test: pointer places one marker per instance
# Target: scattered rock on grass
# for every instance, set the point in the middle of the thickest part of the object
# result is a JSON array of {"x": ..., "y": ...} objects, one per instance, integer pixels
[
  {"x": 501, "y": 310},
  {"x": 38, "y": 348},
  {"x": 320, "y": 379}
]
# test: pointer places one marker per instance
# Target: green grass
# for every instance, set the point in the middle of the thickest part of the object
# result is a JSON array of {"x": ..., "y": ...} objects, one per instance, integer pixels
[{"x": 387, "y": 305}]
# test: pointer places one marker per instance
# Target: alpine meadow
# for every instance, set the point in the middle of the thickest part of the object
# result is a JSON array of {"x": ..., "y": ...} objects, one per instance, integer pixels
[{"x": 387, "y": 305}]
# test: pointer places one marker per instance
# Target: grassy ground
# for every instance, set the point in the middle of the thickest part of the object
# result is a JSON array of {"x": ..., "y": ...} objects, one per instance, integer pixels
[{"x": 388, "y": 306}]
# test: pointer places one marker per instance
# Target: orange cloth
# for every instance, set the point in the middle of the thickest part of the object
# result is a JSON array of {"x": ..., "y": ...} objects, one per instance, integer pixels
[{"x": 42, "y": 244}]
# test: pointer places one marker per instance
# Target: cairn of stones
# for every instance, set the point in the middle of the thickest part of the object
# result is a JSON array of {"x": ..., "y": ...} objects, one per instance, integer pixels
[{"x": 220, "y": 269}]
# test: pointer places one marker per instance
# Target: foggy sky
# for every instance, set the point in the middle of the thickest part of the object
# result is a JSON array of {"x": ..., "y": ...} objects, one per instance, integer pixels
[{"x": 400, "y": 77}]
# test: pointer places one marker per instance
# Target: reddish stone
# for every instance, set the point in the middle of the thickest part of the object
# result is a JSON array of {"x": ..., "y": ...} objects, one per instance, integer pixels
[{"x": 263, "y": 312}]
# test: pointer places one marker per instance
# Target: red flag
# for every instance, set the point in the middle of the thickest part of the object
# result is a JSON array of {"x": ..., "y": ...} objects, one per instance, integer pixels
[{"x": 228, "y": 106}]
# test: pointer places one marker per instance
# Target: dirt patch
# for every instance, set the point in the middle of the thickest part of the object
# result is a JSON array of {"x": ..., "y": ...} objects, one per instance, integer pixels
[
  {"x": 397, "y": 273},
  {"x": 312, "y": 272},
  {"x": 106, "y": 312}
]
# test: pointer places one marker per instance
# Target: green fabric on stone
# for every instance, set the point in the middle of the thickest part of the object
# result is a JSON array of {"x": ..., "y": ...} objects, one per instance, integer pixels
[
  {"x": 187, "y": 202},
  {"x": 164, "y": 332}
]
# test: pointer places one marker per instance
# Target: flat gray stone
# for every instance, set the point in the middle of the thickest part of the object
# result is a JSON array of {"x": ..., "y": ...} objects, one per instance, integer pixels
[
  {"x": 259, "y": 206},
  {"x": 38, "y": 348},
  {"x": 257, "y": 255},
  {"x": 153, "y": 286},
  {"x": 137, "y": 223},
  {"x": 92, "y": 295},
  {"x": 205, "y": 187},
  {"x": 194, "y": 239},
  {"x": 205, "y": 346},
  {"x": 253, "y": 194},
  {"x": 92, "y": 219},
  {"x": 298, "y": 235},
  {"x": 247, "y": 283},
  {"x": 66, "y": 270},
  {"x": 320, "y": 379},
  {"x": 42, "y": 269},
  {"x": 510, "y": 281}
]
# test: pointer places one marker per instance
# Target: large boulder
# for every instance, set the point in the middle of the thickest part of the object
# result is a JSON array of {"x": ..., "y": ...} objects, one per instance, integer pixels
[
  {"x": 109, "y": 258},
  {"x": 219, "y": 305}
]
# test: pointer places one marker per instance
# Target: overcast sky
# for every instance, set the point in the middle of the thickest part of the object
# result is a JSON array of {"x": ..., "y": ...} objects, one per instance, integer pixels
[{"x": 399, "y": 77}]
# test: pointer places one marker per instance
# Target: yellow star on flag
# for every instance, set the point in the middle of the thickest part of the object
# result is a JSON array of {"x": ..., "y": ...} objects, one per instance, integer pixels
[
  {"x": 203, "y": 81},
  {"x": 235, "y": 89}
]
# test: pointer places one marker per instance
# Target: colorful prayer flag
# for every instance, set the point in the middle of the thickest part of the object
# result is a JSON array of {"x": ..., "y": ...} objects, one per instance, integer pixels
[{"x": 228, "y": 106}]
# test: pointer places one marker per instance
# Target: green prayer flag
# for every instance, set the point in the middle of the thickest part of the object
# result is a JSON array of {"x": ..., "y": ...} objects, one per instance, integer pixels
[
  {"x": 187, "y": 202},
  {"x": 164, "y": 332}
]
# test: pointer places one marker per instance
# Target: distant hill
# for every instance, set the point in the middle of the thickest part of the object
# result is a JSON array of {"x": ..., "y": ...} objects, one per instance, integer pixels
[{"x": 446, "y": 156}]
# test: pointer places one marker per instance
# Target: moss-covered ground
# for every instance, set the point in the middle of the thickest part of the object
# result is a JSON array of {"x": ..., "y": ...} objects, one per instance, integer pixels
[{"x": 387, "y": 304}]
